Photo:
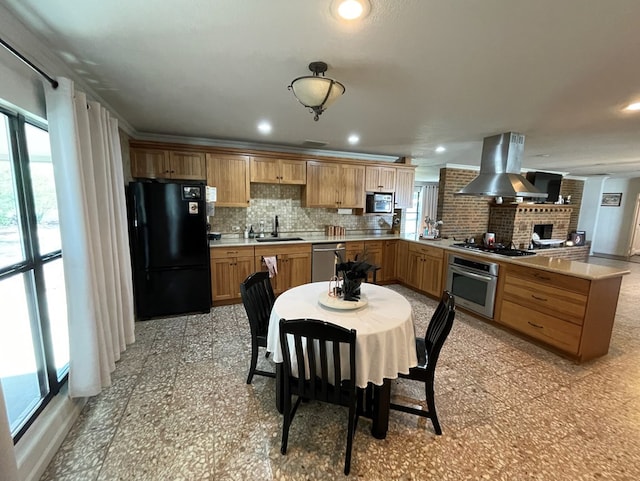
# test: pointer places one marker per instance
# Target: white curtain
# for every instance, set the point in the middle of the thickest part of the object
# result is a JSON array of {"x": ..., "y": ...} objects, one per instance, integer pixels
[
  {"x": 8, "y": 466},
  {"x": 430, "y": 201},
  {"x": 87, "y": 163}
]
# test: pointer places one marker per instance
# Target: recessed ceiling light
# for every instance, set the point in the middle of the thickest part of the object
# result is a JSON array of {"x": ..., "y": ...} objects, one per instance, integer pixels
[
  {"x": 440, "y": 149},
  {"x": 350, "y": 9},
  {"x": 264, "y": 127},
  {"x": 634, "y": 106},
  {"x": 353, "y": 139}
]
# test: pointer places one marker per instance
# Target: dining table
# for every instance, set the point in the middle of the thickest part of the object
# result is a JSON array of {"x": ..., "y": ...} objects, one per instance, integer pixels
[{"x": 385, "y": 338}]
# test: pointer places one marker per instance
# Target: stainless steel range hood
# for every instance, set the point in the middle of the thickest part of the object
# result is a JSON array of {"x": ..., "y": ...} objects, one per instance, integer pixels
[{"x": 500, "y": 167}]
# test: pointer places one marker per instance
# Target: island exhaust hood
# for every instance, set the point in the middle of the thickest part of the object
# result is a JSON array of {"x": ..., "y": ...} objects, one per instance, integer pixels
[{"x": 500, "y": 167}]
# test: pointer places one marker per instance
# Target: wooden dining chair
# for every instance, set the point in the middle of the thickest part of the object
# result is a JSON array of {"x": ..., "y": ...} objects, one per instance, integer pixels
[
  {"x": 317, "y": 352},
  {"x": 428, "y": 351},
  {"x": 258, "y": 298}
]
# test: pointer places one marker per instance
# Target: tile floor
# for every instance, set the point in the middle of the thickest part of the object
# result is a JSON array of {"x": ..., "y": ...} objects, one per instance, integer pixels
[{"x": 179, "y": 409}]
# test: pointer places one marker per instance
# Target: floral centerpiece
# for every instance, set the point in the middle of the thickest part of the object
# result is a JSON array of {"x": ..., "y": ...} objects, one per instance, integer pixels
[
  {"x": 352, "y": 274},
  {"x": 432, "y": 228}
]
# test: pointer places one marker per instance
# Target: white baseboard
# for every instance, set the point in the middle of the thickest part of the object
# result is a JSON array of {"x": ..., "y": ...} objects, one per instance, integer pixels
[{"x": 39, "y": 444}]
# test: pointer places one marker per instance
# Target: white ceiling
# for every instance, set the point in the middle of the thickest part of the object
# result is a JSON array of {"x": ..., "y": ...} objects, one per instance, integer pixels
[{"x": 418, "y": 73}]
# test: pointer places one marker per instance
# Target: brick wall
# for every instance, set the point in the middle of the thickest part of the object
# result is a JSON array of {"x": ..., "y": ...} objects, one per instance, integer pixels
[
  {"x": 469, "y": 216},
  {"x": 573, "y": 188},
  {"x": 515, "y": 221},
  {"x": 463, "y": 216}
]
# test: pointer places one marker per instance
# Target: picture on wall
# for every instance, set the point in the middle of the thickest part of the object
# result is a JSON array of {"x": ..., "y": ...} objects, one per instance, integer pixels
[{"x": 611, "y": 199}]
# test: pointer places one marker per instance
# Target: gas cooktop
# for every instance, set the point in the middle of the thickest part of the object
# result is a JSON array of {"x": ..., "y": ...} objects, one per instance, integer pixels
[{"x": 495, "y": 249}]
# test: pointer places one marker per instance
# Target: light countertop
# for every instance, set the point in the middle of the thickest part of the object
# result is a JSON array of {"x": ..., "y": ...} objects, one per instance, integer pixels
[{"x": 552, "y": 264}]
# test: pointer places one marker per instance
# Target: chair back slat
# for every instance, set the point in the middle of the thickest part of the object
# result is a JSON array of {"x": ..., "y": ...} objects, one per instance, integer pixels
[
  {"x": 310, "y": 340},
  {"x": 258, "y": 298},
  {"x": 439, "y": 327}
]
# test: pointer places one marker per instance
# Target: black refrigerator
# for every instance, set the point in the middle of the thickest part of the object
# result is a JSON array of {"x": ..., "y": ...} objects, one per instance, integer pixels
[{"x": 169, "y": 248}]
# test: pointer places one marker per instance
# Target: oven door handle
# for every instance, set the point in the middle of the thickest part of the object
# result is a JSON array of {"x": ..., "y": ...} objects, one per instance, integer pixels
[{"x": 480, "y": 277}]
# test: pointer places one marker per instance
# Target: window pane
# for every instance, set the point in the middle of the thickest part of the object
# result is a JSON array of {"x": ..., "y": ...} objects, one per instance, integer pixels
[
  {"x": 44, "y": 190},
  {"x": 11, "y": 245},
  {"x": 411, "y": 214},
  {"x": 57, "y": 303},
  {"x": 18, "y": 366}
]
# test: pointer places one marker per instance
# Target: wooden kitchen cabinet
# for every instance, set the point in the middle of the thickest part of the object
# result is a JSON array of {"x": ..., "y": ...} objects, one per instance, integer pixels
[
  {"x": 573, "y": 315},
  {"x": 167, "y": 164},
  {"x": 389, "y": 257},
  {"x": 424, "y": 268},
  {"x": 293, "y": 261},
  {"x": 229, "y": 174},
  {"x": 404, "y": 187},
  {"x": 380, "y": 179},
  {"x": 353, "y": 249},
  {"x": 334, "y": 185},
  {"x": 230, "y": 266},
  {"x": 268, "y": 170},
  {"x": 402, "y": 258}
]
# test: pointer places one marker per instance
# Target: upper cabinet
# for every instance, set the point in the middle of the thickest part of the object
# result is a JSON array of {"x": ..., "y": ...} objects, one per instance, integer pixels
[
  {"x": 278, "y": 171},
  {"x": 404, "y": 187},
  {"x": 334, "y": 185},
  {"x": 229, "y": 174},
  {"x": 380, "y": 179},
  {"x": 167, "y": 164}
]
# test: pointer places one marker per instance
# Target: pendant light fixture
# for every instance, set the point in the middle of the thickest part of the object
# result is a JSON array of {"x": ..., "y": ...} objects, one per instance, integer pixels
[{"x": 316, "y": 92}]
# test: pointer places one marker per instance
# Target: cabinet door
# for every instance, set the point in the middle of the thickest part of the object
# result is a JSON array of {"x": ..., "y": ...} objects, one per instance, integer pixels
[
  {"x": 387, "y": 273},
  {"x": 265, "y": 170},
  {"x": 223, "y": 279},
  {"x": 244, "y": 267},
  {"x": 380, "y": 179},
  {"x": 323, "y": 184},
  {"x": 352, "y": 182},
  {"x": 230, "y": 175},
  {"x": 298, "y": 269},
  {"x": 187, "y": 165},
  {"x": 431, "y": 281},
  {"x": 150, "y": 164},
  {"x": 373, "y": 250},
  {"x": 354, "y": 249},
  {"x": 293, "y": 172},
  {"x": 404, "y": 187},
  {"x": 402, "y": 260},
  {"x": 413, "y": 276}
]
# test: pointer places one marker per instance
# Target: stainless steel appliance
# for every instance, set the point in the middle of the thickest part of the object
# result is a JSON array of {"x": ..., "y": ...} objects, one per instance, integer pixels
[
  {"x": 169, "y": 248},
  {"x": 473, "y": 283},
  {"x": 379, "y": 203},
  {"x": 323, "y": 260},
  {"x": 498, "y": 249}
]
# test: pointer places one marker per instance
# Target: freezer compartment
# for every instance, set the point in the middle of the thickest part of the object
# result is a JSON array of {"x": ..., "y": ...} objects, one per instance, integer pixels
[{"x": 168, "y": 292}]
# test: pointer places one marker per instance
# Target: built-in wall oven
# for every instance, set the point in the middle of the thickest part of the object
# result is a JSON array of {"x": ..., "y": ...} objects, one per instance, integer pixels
[{"x": 473, "y": 283}]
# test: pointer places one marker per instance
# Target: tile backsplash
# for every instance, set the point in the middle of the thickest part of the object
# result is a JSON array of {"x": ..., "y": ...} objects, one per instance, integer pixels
[{"x": 285, "y": 201}]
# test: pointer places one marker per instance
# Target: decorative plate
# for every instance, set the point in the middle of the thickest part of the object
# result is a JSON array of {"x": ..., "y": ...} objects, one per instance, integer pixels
[{"x": 336, "y": 303}]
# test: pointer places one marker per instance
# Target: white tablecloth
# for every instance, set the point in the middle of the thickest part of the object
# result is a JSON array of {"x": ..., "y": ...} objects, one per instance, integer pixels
[{"x": 385, "y": 341}]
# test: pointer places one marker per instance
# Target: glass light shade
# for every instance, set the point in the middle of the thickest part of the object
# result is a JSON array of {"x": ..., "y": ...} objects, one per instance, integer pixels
[{"x": 316, "y": 92}]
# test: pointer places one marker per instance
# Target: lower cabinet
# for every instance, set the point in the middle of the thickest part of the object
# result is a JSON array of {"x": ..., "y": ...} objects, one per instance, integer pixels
[
  {"x": 229, "y": 267},
  {"x": 293, "y": 262},
  {"x": 402, "y": 258},
  {"x": 424, "y": 268},
  {"x": 389, "y": 258},
  {"x": 571, "y": 314}
]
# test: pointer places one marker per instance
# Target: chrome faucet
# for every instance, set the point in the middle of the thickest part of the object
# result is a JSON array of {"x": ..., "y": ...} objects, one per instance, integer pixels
[{"x": 275, "y": 228}]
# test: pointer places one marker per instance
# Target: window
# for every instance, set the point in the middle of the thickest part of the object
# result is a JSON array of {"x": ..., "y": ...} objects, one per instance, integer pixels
[
  {"x": 34, "y": 351},
  {"x": 412, "y": 215}
]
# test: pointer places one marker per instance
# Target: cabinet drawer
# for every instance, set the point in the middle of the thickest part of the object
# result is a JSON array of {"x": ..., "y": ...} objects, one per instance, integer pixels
[
  {"x": 551, "y": 330},
  {"x": 281, "y": 250},
  {"x": 562, "y": 281},
  {"x": 225, "y": 252},
  {"x": 426, "y": 250},
  {"x": 547, "y": 298}
]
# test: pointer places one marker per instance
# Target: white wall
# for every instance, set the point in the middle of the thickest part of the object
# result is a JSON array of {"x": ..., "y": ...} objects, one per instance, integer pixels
[{"x": 607, "y": 227}]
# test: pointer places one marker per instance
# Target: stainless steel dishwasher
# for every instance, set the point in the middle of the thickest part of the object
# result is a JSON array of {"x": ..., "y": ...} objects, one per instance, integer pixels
[{"x": 324, "y": 260}]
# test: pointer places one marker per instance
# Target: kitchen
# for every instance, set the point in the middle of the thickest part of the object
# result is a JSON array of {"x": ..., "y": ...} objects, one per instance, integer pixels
[{"x": 606, "y": 226}]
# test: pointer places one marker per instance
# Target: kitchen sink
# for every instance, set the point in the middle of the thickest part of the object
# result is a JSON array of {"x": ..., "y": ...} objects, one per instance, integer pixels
[{"x": 278, "y": 239}]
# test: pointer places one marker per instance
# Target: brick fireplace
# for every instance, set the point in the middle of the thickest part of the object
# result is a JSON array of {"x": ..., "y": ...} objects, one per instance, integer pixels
[{"x": 516, "y": 222}]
